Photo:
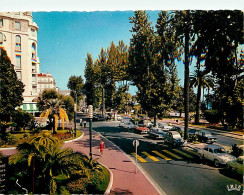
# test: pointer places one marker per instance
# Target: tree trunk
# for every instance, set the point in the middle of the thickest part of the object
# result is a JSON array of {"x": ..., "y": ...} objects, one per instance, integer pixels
[
  {"x": 103, "y": 102},
  {"x": 186, "y": 82},
  {"x": 197, "y": 116},
  {"x": 155, "y": 120}
]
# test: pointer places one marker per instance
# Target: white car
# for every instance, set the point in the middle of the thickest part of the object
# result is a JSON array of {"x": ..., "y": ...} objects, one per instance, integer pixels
[
  {"x": 129, "y": 125},
  {"x": 216, "y": 154}
]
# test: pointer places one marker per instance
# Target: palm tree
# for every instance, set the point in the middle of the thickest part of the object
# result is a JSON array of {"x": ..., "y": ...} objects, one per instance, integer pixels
[
  {"x": 53, "y": 111},
  {"x": 200, "y": 79},
  {"x": 47, "y": 164}
]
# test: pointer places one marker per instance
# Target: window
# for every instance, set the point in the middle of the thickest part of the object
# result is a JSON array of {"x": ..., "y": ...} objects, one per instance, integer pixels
[
  {"x": 33, "y": 78},
  {"x": 17, "y": 25},
  {"x": 34, "y": 89},
  {"x": 19, "y": 75},
  {"x": 33, "y": 67},
  {"x": 210, "y": 150},
  {"x": 33, "y": 51},
  {"x": 33, "y": 32},
  {"x": 18, "y": 62},
  {"x": 1, "y": 22},
  {"x": 18, "y": 43}
]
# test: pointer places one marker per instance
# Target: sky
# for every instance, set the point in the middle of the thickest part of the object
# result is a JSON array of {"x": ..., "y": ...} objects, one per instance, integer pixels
[
  {"x": 68, "y": 30},
  {"x": 65, "y": 38}
]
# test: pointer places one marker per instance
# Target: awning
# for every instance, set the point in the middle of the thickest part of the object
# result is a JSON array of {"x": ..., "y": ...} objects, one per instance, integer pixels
[{"x": 30, "y": 107}]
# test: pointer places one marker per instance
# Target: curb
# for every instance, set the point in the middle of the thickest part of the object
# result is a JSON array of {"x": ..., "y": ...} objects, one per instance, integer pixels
[
  {"x": 111, "y": 179},
  {"x": 154, "y": 184},
  {"x": 75, "y": 138}
]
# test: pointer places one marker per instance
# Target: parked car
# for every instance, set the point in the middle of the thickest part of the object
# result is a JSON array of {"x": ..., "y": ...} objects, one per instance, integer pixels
[
  {"x": 157, "y": 133},
  {"x": 174, "y": 138},
  {"x": 206, "y": 136},
  {"x": 164, "y": 126},
  {"x": 216, "y": 154},
  {"x": 145, "y": 123},
  {"x": 141, "y": 129},
  {"x": 236, "y": 166},
  {"x": 129, "y": 125}
]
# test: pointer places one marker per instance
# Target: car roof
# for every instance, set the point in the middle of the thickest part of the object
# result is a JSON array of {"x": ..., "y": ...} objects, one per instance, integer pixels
[
  {"x": 213, "y": 146},
  {"x": 174, "y": 132}
]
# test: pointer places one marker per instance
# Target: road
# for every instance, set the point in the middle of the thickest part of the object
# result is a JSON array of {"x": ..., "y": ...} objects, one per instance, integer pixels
[{"x": 175, "y": 171}]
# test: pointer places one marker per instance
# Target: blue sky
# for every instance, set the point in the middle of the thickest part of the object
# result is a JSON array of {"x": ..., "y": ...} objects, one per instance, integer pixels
[{"x": 65, "y": 38}]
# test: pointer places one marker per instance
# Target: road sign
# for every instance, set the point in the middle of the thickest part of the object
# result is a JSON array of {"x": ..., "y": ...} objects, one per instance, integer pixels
[{"x": 136, "y": 143}]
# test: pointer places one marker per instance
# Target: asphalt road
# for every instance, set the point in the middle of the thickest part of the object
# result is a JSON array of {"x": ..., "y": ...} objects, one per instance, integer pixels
[{"x": 182, "y": 172}]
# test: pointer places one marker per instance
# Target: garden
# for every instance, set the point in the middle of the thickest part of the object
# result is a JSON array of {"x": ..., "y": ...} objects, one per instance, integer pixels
[{"x": 42, "y": 166}]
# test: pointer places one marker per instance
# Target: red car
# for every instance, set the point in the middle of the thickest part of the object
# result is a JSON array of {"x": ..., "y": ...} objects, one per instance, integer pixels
[{"x": 141, "y": 130}]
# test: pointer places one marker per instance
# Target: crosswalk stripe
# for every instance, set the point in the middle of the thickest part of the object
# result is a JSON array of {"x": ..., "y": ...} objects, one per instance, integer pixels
[
  {"x": 187, "y": 155},
  {"x": 172, "y": 154},
  {"x": 161, "y": 155},
  {"x": 191, "y": 151},
  {"x": 150, "y": 156},
  {"x": 139, "y": 157}
]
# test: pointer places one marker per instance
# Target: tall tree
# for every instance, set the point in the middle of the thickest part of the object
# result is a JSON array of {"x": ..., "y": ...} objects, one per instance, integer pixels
[
  {"x": 11, "y": 89},
  {"x": 75, "y": 84},
  {"x": 91, "y": 88},
  {"x": 182, "y": 20},
  {"x": 199, "y": 79},
  {"x": 219, "y": 36},
  {"x": 146, "y": 70}
]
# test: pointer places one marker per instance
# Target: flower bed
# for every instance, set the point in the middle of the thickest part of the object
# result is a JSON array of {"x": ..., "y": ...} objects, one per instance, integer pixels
[{"x": 63, "y": 136}]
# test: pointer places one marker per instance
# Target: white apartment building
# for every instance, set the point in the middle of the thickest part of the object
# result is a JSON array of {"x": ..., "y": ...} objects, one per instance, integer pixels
[
  {"x": 46, "y": 81},
  {"x": 18, "y": 36}
]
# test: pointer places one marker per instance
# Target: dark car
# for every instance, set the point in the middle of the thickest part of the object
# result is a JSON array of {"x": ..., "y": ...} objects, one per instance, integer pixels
[
  {"x": 206, "y": 136},
  {"x": 101, "y": 118}
]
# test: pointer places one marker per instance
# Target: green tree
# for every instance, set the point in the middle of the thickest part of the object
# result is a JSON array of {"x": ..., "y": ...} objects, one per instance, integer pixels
[
  {"x": 76, "y": 84},
  {"x": 51, "y": 164},
  {"x": 11, "y": 90},
  {"x": 149, "y": 69},
  {"x": 219, "y": 36},
  {"x": 91, "y": 87},
  {"x": 199, "y": 79},
  {"x": 22, "y": 119}
]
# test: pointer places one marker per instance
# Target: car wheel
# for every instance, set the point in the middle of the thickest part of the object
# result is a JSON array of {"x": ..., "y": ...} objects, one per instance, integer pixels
[{"x": 216, "y": 163}]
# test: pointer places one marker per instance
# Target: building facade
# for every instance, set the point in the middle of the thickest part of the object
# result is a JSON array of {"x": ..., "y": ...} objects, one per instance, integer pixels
[
  {"x": 18, "y": 36},
  {"x": 46, "y": 81}
]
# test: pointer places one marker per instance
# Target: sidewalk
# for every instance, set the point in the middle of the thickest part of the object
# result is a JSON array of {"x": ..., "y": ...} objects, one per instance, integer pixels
[{"x": 125, "y": 181}]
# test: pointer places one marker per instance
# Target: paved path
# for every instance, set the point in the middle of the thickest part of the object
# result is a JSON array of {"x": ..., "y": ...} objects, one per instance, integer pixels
[{"x": 125, "y": 181}]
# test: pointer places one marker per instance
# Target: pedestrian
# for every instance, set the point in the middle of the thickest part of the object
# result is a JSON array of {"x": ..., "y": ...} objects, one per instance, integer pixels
[
  {"x": 102, "y": 146},
  {"x": 84, "y": 123},
  {"x": 81, "y": 122}
]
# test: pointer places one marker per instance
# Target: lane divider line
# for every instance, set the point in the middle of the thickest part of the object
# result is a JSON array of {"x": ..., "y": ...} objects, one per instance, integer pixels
[
  {"x": 161, "y": 155},
  {"x": 139, "y": 157},
  {"x": 183, "y": 153},
  {"x": 150, "y": 156},
  {"x": 172, "y": 154}
]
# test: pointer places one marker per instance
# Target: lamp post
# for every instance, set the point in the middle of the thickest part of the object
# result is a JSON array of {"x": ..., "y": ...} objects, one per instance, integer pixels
[
  {"x": 90, "y": 115},
  {"x": 75, "y": 118}
]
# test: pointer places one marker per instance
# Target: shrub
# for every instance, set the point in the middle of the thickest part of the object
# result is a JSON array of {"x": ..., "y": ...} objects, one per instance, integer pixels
[{"x": 212, "y": 116}]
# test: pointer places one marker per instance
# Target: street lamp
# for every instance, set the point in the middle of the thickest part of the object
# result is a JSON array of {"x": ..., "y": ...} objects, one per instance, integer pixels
[
  {"x": 90, "y": 115},
  {"x": 75, "y": 118}
]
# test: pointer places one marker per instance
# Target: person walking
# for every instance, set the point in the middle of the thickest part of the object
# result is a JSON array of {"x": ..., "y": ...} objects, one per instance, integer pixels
[{"x": 102, "y": 146}]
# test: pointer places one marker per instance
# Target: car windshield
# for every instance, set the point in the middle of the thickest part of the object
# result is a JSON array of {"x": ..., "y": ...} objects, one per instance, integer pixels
[
  {"x": 208, "y": 134},
  {"x": 219, "y": 150}
]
